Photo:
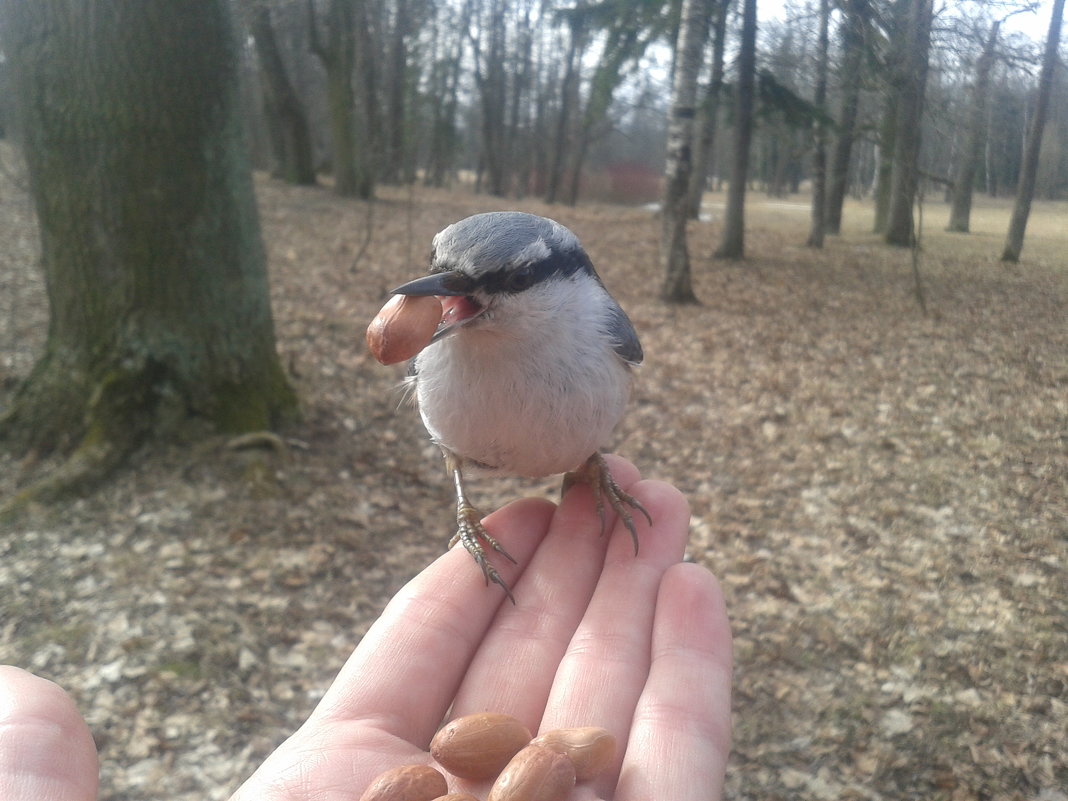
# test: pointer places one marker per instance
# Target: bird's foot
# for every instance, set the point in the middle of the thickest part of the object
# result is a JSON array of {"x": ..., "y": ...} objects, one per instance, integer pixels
[
  {"x": 476, "y": 539},
  {"x": 595, "y": 472}
]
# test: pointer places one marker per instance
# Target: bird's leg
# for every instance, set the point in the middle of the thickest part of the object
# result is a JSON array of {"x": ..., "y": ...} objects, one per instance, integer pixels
[
  {"x": 595, "y": 472},
  {"x": 469, "y": 529}
]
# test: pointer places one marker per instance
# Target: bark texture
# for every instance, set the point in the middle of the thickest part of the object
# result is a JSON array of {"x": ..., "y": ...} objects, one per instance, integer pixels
[
  {"x": 963, "y": 185},
  {"x": 674, "y": 255},
  {"x": 286, "y": 119},
  {"x": 819, "y": 150},
  {"x": 151, "y": 247},
  {"x": 1025, "y": 190},
  {"x": 852, "y": 36},
  {"x": 337, "y": 52},
  {"x": 732, "y": 244},
  {"x": 708, "y": 112},
  {"x": 910, "y": 100}
]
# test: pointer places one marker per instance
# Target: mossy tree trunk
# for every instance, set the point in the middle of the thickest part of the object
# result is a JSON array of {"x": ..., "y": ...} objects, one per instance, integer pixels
[{"x": 151, "y": 249}]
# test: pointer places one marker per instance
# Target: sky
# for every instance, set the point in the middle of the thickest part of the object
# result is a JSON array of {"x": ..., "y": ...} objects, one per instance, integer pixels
[{"x": 1034, "y": 24}]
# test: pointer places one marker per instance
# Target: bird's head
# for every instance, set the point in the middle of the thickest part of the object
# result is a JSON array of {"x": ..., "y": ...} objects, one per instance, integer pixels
[{"x": 496, "y": 269}]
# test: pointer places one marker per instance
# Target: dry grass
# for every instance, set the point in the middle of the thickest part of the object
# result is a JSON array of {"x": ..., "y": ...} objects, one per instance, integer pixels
[{"x": 883, "y": 494}]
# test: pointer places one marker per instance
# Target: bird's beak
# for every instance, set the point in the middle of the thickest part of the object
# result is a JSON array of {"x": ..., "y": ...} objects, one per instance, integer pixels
[
  {"x": 454, "y": 290},
  {"x": 444, "y": 284}
]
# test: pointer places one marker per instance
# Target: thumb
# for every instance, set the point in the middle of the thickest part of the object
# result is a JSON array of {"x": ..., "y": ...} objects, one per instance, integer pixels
[{"x": 46, "y": 750}]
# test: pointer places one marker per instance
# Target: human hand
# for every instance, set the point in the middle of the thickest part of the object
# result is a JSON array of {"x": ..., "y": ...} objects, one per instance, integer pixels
[{"x": 638, "y": 645}]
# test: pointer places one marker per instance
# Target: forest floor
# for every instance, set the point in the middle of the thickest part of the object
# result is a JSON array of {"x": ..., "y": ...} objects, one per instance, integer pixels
[{"x": 883, "y": 493}]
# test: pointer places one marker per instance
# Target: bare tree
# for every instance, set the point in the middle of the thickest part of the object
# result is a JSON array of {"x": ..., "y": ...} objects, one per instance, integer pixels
[
  {"x": 627, "y": 27},
  {"x": 489, "y": 45},
  {"x": 708, "y": 111},
  {"x": 732, "y": 243},
  {"x": 577, "y": 27},
  {"x": 912, "y": 81},
  {"x": 337, "y": 52},
  {"x": 819, "y": 149},
  {"x": 396, "y": 94},
  {"x": 1025, "y": 189},
  {"x": 287, "y": 122},
  {"x": 892, "y": 67},
  {"x": 853, "y": 27},
  {"x": 964, "y": 181},
  {"x": 674, "y": 254},
  {"x": 444, "y": 87},
  {"x": 150, "y": 240}
]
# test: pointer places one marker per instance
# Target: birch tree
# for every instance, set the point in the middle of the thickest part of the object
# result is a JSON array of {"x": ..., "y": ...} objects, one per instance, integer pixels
[{"x": 674, "y": 253}]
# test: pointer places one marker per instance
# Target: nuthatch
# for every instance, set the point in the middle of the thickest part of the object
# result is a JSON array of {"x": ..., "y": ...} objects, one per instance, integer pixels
[{"x": 529, "y": 370}]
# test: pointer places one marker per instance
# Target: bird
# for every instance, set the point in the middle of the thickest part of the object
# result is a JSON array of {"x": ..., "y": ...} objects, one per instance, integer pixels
[{"x": 530, "y": 369}]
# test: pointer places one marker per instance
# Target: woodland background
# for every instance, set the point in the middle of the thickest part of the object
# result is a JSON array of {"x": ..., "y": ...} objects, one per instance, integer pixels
[{"x": 874, "y": 439}]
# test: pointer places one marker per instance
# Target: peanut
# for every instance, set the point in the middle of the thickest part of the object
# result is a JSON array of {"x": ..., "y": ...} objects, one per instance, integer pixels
[
  {"x": 456, "y": 797},
  {"x": 477, "y": 746},
  {"x": 590, "y": 748},
  {"x": 407, "y": 783},
  {"x": 534, "y": 774},
  {"x": 403, "y": 327}
]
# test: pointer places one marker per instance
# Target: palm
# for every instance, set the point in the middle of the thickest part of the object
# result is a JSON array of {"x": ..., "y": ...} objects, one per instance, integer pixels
[{"x": 638, "y": 645}]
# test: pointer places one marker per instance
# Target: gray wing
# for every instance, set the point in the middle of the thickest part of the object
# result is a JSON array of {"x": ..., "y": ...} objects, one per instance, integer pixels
[{"x": 624, "y": 337}]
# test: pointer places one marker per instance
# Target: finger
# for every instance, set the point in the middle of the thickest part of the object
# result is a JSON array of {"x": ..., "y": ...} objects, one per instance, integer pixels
[
  {"x": 404, "y": 674},
  {"x": 680, "y": 737},
  {"x": 602, "y": 674},
  {"x": 515, "y": 666},
  {"x": 46, "y": 750}
]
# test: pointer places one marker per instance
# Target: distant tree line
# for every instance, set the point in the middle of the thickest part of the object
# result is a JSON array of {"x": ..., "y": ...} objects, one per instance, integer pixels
[
  {"x": 135, "y": 121},
  {"x": 524, "y": 96}
]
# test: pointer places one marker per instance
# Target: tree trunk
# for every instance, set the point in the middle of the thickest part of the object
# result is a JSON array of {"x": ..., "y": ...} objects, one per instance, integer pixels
[
  {"x": 352, "y": 173},
  {"x": 623, "y": 44},
  {"x": 568, "y": 100},
  {"x": 674, "y": 254},
  {"x": 151, "y": 249},
  {"x": 708, "y": 113},
  {"x": 963, "y": 184},
  {"x": 1025, "y": 189},
  {"x": 732, "y": 244},
  {"x": 850, "y": 82},
  {"x": 893, "y": 75},
  {"x": 443, "y": 130},
  {"x": 396, "y": 96},
  {"x": 819, "y": 154},
  {"x": 905, "y": 178},
  {"x": 286, "y": 119},
  {"x": 490, "y": 79},
  {"x": 884, "y": 162}
]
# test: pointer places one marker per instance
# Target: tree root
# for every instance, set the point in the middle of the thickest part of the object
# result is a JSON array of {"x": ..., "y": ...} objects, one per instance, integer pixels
[{"x": 89, "y": 464}]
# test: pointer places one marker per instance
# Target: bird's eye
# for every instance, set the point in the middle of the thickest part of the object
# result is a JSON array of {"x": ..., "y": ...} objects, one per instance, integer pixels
[{"x": 521, "y": 278}]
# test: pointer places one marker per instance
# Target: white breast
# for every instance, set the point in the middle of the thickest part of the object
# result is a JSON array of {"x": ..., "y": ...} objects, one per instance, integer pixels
[{"x": 532, "y": 390}]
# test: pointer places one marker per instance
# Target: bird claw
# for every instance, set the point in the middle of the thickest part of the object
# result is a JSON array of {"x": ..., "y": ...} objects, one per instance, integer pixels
[
  {"x": 475, "y": 538},
  {"x": 595, "y": 472}
]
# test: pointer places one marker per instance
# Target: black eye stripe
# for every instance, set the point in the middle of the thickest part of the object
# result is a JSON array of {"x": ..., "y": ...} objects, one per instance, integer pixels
[{"x": 511, "y": 279}]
